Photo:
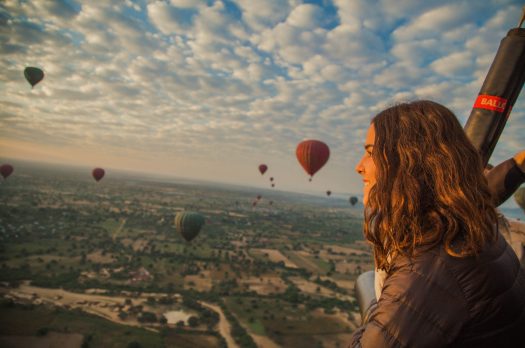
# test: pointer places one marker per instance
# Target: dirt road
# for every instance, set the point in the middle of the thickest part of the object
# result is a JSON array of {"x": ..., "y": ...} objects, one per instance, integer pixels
[{"x": 224, "y": 325}]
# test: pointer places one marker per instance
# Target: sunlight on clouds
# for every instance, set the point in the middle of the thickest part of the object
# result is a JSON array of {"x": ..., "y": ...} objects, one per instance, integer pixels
[
  {"x": 171, "y": 19},
  {"x": 433, "y": 22},
  {"x": 159, "y": 80},
  {"x": 458, "y": 63},
  {"x": 264, "y": 14},
  {"x": 305, "y": 16}
]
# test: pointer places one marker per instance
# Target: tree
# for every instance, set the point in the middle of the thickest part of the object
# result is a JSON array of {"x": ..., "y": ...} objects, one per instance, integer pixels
[
  {"x": 42, "y": 331},
  {"x": 147, "y": 317},
  {"x": 193, "y": 321}
]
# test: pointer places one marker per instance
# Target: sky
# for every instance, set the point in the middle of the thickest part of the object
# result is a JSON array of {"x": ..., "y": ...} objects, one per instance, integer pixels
[{"x": 208, "y": 90}]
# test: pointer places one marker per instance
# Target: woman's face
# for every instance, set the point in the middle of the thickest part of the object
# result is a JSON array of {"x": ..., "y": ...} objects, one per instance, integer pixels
[{"x": 366, "y": 167}]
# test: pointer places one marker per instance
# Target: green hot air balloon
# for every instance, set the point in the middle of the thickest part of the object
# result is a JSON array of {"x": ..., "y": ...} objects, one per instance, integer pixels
[
  {"x": 33, "y": 75},
  {"x": 519, "y": 197},
  {"x": 189, "y": 224}
]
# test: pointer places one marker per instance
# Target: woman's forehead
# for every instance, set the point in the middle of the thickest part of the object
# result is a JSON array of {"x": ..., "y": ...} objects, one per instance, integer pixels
[{"x": 370, "y": 135}]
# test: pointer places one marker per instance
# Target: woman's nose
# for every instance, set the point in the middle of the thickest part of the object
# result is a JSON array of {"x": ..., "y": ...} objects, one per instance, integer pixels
[{"x": 359, "y": 167}]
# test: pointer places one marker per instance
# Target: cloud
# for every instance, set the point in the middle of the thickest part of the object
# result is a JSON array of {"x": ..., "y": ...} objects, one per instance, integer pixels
[
  {"x": 174, "y": 18},
  {"x": 193, "y": 80},
  {"x": 432, "y": 23},
  {"x": 457, "y": 63},
  {"x": 306, "y": 16},
  {"x": 261, "y": 15}
]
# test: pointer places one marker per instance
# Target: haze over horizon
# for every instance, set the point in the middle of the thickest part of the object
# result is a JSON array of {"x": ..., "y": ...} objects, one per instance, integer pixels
[{"x": 208, "y": 90}]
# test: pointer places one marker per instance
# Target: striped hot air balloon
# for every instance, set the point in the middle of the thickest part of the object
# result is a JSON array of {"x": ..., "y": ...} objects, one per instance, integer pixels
[
  {"x": 189, "y": 224},
  {"x": 312, "y": 155}
]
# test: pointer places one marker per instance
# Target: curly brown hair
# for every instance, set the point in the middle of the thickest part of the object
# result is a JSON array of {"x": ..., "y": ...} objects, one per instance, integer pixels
[{"x": 430, "y": 187}]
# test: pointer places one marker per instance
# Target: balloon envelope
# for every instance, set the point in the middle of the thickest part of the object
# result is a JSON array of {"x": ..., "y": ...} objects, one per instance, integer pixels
[
  {"x": 189, "y": 224},
  {"x": 6, "y": 170},
  {"x": 312, "y": 155},
  {"x": 519, "y": 197},
  {"x": 33, "y": 75},
  {"x": 263, "y": 168},
  {"x": 353, "y": 200},
  {"x": 98, "y": 173},
  {"x": 328, "y": 193}
]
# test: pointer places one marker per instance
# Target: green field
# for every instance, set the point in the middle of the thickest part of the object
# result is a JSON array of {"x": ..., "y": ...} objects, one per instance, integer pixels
[
  {"x": 35, "y": 320},
  {"x": 60, "y": 231}
]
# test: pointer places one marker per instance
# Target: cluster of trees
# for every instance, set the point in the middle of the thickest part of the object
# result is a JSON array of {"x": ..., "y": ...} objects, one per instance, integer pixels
[
  {"x": 206, "y": 316},
  {"x": 238, "y": 333}
]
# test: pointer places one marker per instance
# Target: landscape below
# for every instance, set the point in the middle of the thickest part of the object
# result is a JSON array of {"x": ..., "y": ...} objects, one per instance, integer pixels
[{"x": 100, "y": 264}]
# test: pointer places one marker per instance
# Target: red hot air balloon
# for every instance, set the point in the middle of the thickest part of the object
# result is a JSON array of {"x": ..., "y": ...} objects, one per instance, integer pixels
[
  {"x": 312, "y": 155},
  {"x": 98, "y": 173},
  {"x": 6, "y": 170},
  {"x": 263, "y": 168}
]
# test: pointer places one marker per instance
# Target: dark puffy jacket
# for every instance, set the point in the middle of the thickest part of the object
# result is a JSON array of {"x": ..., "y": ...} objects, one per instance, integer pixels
[{"x": 436, "y": 300}]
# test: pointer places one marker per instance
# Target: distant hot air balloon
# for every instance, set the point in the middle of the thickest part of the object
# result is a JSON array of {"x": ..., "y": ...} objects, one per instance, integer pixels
[
  {"x": 328, "y": 193},
  {"x": 273, "y": 185},
  {"x": 271, "y": 179},
  {"x": 33, "y": 75},
  {"x": 263, "y": 168},
  {"x": 259, "y": 197},
  {"x": 189, "y": 224},
  {"x": 312, "y": 155},
  {"x": 6, "y": 170},
  {"x": 519, "y": 197},
  {"x": 353, "y": 200},
  {"x": 271, "y": 202},
  {"x": 98, "y": 173},
  {"x": 254, "y": 203}
]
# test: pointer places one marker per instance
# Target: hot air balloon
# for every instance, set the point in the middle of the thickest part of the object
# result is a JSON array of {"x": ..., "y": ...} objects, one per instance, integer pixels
[
  {"x": 98, "y": 173},
  {"x": 189, "y": 224},
  {"x": 353, "y": 200},
  {"x": 271, "y": 179},
  {"x": 33, "y": 75},
  {"x": 273, "y": 185},
  {"x": 312, "y": 155},
  {"x": 6, "y": 170},
  {"x": 263, "y": 168},
  {"x": 271, "y": 202},
  {"x": 259, "y": 197},
  {"x": 519, "y": 197},
  {"x": 328, "y": 193}
]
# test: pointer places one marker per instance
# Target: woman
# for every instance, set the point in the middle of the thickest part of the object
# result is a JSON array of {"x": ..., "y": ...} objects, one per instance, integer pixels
[{"x": 452, "y": 280}]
